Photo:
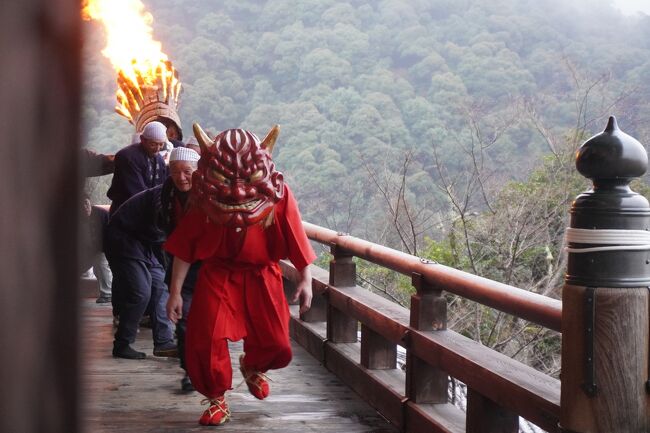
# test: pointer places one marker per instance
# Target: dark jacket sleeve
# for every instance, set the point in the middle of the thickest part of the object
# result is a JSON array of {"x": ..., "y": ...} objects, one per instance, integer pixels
[
  {"x": 133, "y": 229},
  {"x": 96, "y": 164},
  {"x": 130, "y": 179},
  {"x": 139, "y": 216}
]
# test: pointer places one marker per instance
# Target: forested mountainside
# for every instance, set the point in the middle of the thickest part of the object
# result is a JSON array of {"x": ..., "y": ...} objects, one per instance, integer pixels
[
  {"x": 388, "y": 104},
  {"x": 356, "y": 84},
  {"x": 444, "y": 128}
]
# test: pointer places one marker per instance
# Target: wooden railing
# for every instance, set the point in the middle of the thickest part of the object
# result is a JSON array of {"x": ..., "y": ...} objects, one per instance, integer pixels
[{"x": 499, "y": 389}]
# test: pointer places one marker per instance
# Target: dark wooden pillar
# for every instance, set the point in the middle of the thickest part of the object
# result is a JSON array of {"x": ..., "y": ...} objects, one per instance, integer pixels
[
  {"x": 605, "y": 299},
  {"x": 340, "y": 327},
  {"x": 377, "y": 353},
  {"x": 428, "y": 306},
  {"x": 318, "y": 310},
  {"x": 485, "y": 416},
  {"x": 425, "y": 383},
  {"x": 39, "y": 196},
  {"x": 343, "y": 270}
]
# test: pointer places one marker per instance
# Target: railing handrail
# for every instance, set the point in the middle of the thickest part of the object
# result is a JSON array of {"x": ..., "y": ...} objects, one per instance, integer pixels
[{"x": 527, "y": 305}]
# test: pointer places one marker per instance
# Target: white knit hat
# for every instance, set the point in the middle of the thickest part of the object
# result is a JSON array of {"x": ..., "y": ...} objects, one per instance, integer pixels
[
  {"x": 155, "y": 131},
  {"x": 183, "y": 154}
]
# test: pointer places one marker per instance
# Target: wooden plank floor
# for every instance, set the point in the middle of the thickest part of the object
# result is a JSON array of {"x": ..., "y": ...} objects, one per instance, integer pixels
[{"x": 144, "y": 396}]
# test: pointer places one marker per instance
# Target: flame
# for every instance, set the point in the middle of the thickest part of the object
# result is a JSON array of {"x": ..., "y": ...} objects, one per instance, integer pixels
[{"x": 134, "y": 53}]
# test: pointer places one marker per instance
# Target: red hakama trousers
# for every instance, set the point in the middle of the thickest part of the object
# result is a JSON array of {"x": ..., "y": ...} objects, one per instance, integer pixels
[{"x": 231, "y": 303}]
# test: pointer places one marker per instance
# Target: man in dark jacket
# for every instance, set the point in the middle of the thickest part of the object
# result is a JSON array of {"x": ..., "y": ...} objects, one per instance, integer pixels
[
  {"x": 137, "y": 260},
  {"x": 135, "y": 235},
  {"x": 175, "y": 203},
  {"x": 139, "y": 166}
]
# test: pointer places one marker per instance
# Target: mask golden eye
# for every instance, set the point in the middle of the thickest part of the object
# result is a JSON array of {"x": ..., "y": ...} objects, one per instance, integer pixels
[
  {"x": 259, "y": 174},
  {"x": 220, "y": 177}
]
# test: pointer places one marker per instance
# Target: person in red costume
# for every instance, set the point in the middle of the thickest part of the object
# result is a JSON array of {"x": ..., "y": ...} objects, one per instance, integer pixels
[{"x": 245, "y": 219}]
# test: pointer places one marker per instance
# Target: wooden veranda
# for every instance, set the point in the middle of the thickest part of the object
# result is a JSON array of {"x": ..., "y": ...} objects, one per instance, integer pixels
[{"x": 145, "y": 396}]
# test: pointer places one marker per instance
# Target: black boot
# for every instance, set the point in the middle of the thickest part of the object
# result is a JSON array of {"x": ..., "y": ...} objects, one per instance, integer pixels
[
  {"x": 127, "y": 352},
  {"x": 186, "y": 384}
]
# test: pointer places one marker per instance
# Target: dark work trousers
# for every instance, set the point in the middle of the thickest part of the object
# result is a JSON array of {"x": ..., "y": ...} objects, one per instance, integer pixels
[
  {"x": 181, "y": 325},
  {"x": 142, "y": 288},
  {"x": 116, "y": 290}
]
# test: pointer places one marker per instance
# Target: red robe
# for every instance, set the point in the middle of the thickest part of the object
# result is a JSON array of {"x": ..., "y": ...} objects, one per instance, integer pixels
[{"x": 239, "y": 292}]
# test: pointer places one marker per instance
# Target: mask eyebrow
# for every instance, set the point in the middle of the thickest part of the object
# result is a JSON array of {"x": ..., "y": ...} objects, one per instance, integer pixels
[{"x": 257, "y": 175}]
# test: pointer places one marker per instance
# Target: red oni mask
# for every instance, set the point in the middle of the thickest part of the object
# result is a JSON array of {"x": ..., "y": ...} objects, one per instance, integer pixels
[{"x": 236, "y": 183}]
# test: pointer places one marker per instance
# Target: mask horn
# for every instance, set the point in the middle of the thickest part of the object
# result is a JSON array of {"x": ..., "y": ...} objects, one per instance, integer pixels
[
  {"x": 202, "y": 138},
  {"x": 268, "y": 142}
]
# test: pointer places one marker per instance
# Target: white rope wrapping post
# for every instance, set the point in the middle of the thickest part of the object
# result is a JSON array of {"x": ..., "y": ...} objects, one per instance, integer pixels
[{"x": 616, "y": 240}]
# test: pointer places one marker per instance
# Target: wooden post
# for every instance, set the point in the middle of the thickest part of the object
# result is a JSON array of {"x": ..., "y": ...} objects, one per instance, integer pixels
[
  {"x": 318, "y": 310},
  {"x": 485, "y": 416},
  {"x": 40, "y": 195},
  {"x": 340, "y": 327},
  {"x": 377, "y": 352},
  {"x": 428, "y": 306},
  {"x": 426, "y": 383},
  {"x": 605, "y": 299},
  {"x": 343, "y": 271}
]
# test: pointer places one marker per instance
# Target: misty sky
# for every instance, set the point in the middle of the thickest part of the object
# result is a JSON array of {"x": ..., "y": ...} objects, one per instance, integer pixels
[{"x": 633, "y": 6}]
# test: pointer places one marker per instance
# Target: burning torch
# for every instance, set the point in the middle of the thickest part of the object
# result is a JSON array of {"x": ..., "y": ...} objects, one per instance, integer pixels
[{"x": 148, "y": 86}]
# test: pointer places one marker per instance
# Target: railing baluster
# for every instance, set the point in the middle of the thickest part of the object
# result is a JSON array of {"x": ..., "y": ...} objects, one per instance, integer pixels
[
  {"x": 343, "y": 271},
  {"x": 340, "y": 327},
  {"x": 485, "y": 416},
  {"x": 428, "y": 306},
  {"x": 425, "y": 383},
  {"x": 318, "y": 310},
  {"x": 377, "y": 352}
]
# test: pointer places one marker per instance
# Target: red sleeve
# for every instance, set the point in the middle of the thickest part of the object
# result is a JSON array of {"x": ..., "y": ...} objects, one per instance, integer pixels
[
  {"x": 183, "y": 241},
  {"x": 299, "y": 250}
]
